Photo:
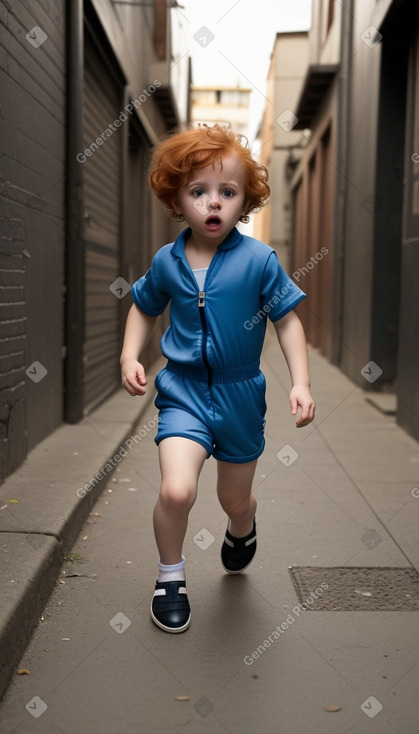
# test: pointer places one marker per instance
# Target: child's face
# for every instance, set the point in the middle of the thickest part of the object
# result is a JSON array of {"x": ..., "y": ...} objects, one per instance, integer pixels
[{"x": 213, "y": 200}]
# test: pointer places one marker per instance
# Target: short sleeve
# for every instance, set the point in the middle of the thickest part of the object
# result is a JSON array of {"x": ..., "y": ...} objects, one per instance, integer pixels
[
  {"x": 148, "y": 294},
  {"x": 279, "y": 293}
]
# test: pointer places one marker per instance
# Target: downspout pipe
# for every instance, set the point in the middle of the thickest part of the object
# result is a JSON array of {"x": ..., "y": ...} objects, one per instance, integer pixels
[
  {"x": 342, "y": 154},
  {"x": 74, "y": 242}
]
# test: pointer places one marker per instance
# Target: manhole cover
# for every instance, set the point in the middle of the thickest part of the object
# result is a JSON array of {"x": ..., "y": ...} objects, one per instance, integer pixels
[{"x": 350, "y": 589}]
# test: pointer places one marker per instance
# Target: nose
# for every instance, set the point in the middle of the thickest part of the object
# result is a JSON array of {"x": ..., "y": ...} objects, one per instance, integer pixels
[{"x": 214, "y": 201}]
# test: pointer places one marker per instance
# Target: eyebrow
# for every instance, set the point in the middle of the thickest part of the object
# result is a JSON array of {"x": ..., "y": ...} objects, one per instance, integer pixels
[{"x": 204, "y": 183}]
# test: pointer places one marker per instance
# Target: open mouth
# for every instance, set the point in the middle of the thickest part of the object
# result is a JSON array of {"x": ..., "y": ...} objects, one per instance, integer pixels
[{"x": 213, "y": 221}]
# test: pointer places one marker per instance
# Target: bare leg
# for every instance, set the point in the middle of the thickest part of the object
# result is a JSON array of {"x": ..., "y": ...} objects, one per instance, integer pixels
[
  {"x": 234, "y": 490},
  {"x": 181, "y": 461}
]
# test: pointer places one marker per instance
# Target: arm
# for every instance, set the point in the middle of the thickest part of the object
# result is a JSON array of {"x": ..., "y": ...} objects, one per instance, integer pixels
[
  {"x": 291, "y": 338},
  {"x": 138, "y": 328}
]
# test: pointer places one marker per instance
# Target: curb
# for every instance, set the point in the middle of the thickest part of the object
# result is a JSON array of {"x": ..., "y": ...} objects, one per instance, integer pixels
[{"x": 42, "y": 513}]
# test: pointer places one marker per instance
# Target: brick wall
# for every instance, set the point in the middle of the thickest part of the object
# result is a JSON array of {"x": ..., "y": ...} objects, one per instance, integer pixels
[{"x": 32, "y": 146}]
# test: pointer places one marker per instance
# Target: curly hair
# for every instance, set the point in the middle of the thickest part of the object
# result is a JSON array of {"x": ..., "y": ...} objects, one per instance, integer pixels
[{"x": 174, "y": 158}]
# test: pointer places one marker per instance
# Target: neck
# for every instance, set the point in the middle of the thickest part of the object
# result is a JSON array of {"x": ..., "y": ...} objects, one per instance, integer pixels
[{"x": 204, "y": 244}]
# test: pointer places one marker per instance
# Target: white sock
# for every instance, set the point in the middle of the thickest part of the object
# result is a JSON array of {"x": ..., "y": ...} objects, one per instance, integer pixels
[{"x": 175, "y": 572}]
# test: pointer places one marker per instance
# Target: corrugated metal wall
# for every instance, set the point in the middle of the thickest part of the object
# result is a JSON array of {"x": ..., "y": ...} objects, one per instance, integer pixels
[{"x": 102, "y": 195}]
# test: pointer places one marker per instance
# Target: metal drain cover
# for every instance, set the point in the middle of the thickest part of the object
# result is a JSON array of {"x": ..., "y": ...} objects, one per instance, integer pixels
[{"x": 353, "y": 589}]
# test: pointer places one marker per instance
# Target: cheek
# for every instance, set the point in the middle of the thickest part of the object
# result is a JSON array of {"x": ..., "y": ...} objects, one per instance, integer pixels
[{"x": 241, "y": 204}]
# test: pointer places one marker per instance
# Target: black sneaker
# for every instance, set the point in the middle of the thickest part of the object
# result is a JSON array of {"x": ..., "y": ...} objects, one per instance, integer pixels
[
  {"x": 170, "y": 608},
  {"x": 237, "y": 553}
]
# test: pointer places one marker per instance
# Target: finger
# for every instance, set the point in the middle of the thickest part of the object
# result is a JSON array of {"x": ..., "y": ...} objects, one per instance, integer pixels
[
  {"x": 294, "y": 406},
  {"x": 307, "y": 415},
  {"x": 132, "y": 387},
  {"x": 140, "y": 375}
]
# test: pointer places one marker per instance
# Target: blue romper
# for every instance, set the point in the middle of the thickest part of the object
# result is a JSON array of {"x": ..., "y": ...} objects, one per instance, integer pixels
[{"x": 212, "y": 390}]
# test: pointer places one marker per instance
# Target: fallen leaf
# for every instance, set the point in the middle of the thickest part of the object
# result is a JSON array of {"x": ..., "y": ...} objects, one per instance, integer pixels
[
  {"x": 363, "y": 593},
  {"x": 72, "y": 556},
  {"x": 332, "y": 709},
  {"x": 14, "y": 502},
  {"x": 23, "y": 671},
  {"x": 85, "y": 537},
  {"x": 182, "y": 698},
  {"x": 95, "y": 514}
]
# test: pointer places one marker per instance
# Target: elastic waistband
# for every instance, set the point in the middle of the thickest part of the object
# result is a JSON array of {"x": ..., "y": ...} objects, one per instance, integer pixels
[{"x": 218, "y": 377}]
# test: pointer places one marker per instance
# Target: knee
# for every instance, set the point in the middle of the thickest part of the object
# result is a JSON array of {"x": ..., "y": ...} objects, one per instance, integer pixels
[
  {"x": 239, "y": 508},
  {"x": 178, "y": 497}
]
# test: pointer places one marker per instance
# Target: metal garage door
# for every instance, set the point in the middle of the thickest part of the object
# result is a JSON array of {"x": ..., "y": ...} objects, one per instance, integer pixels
[{"x": 102, "y": 186}]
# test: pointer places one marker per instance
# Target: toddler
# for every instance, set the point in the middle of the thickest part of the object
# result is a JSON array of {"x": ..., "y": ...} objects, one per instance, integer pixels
[{"x": 221, "y": 286}]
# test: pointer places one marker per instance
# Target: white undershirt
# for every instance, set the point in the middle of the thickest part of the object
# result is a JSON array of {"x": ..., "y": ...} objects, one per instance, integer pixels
[{"x": 200, "y": 274}]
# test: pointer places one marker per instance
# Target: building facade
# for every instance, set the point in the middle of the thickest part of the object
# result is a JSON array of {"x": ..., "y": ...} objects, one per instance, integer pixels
[
  {"x": 221, "y": 104},
  {"x": 354, "y": 193},
  {"x": 279, "y": 147},
  {"x": 88, "y": 89}
]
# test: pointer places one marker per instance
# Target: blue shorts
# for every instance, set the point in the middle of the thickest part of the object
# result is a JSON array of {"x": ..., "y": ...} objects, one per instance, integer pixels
[{"x": 228, "y": 420}]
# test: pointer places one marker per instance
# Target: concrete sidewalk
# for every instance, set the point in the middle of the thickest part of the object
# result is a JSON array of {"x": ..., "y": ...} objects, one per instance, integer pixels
[
  {"x": 42, "y": 510},
  {"x": 339, "y": 494}
]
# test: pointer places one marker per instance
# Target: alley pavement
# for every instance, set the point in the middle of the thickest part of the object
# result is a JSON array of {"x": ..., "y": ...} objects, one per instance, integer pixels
[{"x": 320, "y": 634}]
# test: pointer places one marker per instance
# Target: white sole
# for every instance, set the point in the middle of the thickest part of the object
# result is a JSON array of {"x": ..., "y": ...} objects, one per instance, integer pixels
[
  {"x": 236, "y": 573},
  {"x": 172, "y": 630}
]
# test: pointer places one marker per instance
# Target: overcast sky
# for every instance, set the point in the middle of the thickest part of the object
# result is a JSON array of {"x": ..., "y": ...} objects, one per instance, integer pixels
[{"x": 231, "y": 41}]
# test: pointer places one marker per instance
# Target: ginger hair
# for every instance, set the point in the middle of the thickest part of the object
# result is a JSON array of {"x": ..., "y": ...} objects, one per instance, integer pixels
[{"x": 174, "y": 158}]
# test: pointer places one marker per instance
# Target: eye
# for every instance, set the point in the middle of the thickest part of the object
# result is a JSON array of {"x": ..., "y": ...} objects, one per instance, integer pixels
[
  {"x": 198, "y": 192},
  {"x": 228, "y": 193}
]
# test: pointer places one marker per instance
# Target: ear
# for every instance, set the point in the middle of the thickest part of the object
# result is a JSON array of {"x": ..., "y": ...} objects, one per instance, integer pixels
[{"x": 175, "y": 206}]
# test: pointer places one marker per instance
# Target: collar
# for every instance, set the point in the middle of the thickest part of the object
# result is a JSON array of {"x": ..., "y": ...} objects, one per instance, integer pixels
[{"x": 232, "y": 239}]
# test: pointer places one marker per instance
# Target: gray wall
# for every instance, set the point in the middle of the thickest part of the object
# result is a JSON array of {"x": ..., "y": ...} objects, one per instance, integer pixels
[
  {"x": 380, "y": 294},
  {"x": 32, "y": 242},
  {"x": 364, "y": 77}
]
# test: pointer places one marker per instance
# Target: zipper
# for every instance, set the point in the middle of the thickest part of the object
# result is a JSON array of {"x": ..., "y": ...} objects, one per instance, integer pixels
[{"x": 201, "y": 307}]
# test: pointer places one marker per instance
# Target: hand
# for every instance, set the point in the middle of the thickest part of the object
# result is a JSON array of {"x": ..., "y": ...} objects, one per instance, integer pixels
[
  {"x": 300, "y": 397},
  {"x": 133, "y": 377}
]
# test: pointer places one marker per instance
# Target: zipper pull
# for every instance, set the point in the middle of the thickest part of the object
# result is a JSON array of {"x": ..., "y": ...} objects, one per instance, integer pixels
[{"x": 201, "y": 298}]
